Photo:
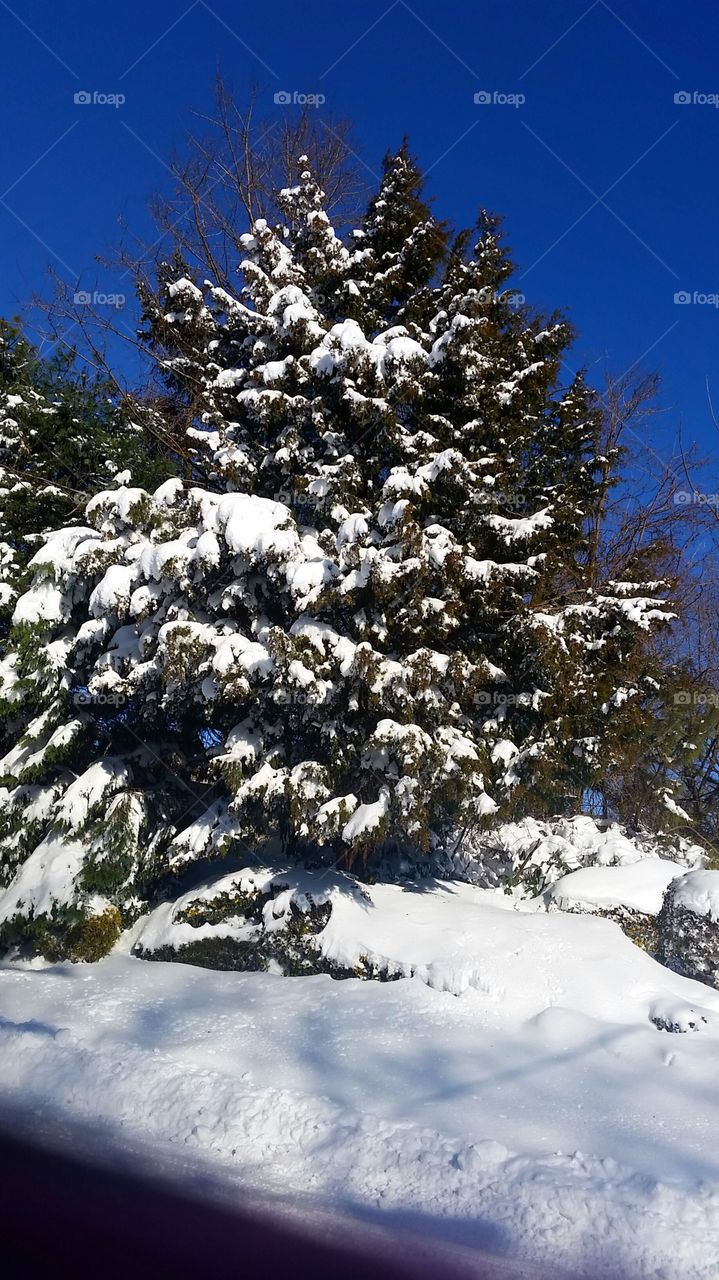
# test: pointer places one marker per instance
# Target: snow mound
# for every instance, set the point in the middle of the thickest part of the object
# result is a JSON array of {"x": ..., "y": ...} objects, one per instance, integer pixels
[
  {"x": 457, "y": 938},
  {"x": 269, "y": 916},
  {"x": 636, "y": 886}
]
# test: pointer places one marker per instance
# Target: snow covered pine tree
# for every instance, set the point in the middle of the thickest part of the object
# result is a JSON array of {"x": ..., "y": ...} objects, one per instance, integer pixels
[
  {"x": 367, "y": 621},
  {"x": 62, "y": 436}
]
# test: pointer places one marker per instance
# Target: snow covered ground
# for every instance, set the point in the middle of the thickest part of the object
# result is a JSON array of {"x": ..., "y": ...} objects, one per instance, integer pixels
[{"x": 515, "y": 1094}]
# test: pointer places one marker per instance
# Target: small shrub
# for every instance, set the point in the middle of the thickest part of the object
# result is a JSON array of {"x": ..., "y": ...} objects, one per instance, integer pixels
[
  {"x": 689, "y": 940},
  {"x": 93, "y": 938}
]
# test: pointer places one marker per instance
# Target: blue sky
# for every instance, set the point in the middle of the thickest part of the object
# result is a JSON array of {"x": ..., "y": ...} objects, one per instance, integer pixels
[{"x": 609, "y": 187}]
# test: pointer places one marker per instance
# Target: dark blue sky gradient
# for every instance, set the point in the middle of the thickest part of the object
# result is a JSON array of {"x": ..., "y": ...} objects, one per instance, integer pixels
[{"x": 599, "y": 117}]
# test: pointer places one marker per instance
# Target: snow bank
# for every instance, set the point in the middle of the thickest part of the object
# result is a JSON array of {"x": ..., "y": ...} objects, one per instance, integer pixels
[
  {"x": 491, "y": 1092},
  {"x": 463, "y": 1120},
  {"x": 454, "y": 938}
]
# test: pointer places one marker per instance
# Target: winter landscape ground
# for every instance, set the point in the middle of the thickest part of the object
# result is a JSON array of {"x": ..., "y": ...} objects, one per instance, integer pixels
[{"x": 518, "y": 1094}]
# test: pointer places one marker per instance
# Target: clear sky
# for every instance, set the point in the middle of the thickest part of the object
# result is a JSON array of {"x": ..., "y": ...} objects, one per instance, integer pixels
[{"x": 608, "y": 185}]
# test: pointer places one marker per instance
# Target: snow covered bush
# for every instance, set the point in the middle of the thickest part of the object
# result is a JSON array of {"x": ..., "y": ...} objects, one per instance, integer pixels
[
  {"x": 689, "y": 926},
  {"x": 531, "y": 856},
  {"x": 630, "y": 894},
  {"x": 254, "y": 919},
  {"x": 365, "y": 618}
]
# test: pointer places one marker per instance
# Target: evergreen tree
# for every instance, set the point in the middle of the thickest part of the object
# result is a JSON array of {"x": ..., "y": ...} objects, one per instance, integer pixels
[
  {"x": 62, "y": 437},
  {"x": 365, "y": 617}
]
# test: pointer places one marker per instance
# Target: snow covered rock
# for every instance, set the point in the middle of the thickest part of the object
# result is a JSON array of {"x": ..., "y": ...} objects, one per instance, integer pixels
[{"x": 689, "y": 926}]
